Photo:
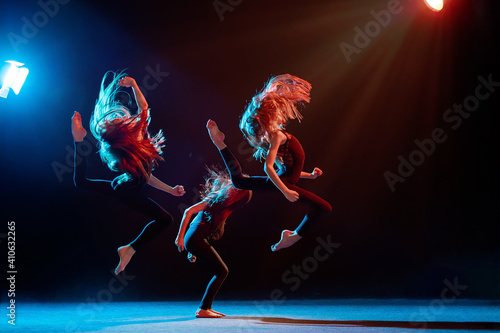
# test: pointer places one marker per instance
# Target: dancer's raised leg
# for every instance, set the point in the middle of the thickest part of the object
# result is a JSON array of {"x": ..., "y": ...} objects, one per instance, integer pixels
[{"x": 239, "y": 180}]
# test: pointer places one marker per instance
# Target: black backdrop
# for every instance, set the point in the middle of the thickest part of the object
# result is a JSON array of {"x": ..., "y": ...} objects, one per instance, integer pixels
[{"x": 378, "y": 86}]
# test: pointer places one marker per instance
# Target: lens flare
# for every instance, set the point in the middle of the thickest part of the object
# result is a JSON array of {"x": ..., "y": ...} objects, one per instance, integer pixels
[
  {"x": 435, "y": 5},
  {"x": 14, "y": 78}
]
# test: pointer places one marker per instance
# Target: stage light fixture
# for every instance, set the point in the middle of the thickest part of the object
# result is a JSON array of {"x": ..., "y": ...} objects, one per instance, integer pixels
[
  {"x": 14, "y": 78},
  {"x": 435, "y": 5}
]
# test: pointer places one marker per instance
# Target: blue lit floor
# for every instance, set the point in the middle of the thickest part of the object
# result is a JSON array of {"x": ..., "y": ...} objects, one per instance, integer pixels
[{"x": 261, "y": 316}]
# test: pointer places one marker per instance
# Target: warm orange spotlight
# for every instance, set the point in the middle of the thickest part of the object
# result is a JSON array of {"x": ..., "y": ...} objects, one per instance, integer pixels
[{"x": 435, "y": 5}]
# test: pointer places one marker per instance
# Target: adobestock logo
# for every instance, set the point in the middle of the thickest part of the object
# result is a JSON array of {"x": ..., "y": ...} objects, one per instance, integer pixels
[
  {"x": 297, "y": 274},
  {"x": 453, "y": 116},
  {"x": 449, "y": 294},
  {"x": 222, "y": 7},
  {"x": 363, "y": 37},
  {"x": 31, "y": 26}
]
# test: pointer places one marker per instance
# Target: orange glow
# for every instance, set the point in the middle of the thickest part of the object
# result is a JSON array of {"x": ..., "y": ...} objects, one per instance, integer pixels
[{"x": 435, "y": 5}]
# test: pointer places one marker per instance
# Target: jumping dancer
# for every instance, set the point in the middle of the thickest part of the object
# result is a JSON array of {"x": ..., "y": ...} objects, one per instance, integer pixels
[
  {"x": 220, "y": 199},
  {"x": 126, "y": 147},
  {"x": 263, "y": 125}
]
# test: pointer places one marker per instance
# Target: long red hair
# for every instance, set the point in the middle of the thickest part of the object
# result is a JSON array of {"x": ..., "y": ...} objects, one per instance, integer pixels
[{"x": 125, "y": 143}]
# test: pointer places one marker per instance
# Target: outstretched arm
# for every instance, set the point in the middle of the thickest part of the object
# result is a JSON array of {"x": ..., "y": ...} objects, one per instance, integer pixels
[
  {"x": 186, "y": 218},
  {"x": 177, "y": 191},
  {"x": 276, "y": 139},
  {"x": 313, "y": 175},
  {"x": 129, "y": 82}
]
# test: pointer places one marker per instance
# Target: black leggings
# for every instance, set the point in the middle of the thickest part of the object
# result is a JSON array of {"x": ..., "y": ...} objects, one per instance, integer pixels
[
  {"x": 196, "y": 242},
  {"x": 131, "y": 196},
  {"x": 317, "y": 207}
]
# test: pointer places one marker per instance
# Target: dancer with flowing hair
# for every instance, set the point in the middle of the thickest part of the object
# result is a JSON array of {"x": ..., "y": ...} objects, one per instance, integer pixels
[
  {"x": 263, "y": 125},
  {"x": 127, "y": 147},
  {"x": 219, "y": 199}
]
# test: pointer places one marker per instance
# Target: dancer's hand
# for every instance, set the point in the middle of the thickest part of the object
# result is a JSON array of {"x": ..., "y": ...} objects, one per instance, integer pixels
[
  {"x": 191, "y": 257},
  {"x": 292, "y": 196},
  {"x": 77, "y": 129},
  {"x": 178, "y": 191},
  {"x": 127, "y": 82},
  {"x": 316, "y": 173},
  {"x": 179, "y": 241}
]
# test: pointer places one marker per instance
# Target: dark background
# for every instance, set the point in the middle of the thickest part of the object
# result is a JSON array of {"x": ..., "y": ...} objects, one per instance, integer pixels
[{"x": 440, "y": 224}]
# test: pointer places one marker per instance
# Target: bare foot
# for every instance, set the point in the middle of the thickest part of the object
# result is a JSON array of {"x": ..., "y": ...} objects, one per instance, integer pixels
[
  {"x": 77, "y": 129},
  {"x": 217, "y": 313},
  {"x": 125, "y": 252},
  {"x": 200, "y": 313},
  {"x": 215, "y": 134},
  {"x": 288, "y": 238}
]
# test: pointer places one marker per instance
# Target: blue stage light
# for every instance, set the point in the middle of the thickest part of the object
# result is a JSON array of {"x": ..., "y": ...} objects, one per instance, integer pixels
[{"x": 14, "y": 78}]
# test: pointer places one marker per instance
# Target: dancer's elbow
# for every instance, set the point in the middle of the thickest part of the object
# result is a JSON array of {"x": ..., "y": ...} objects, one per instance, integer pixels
[{"x": 268, "y": 168}]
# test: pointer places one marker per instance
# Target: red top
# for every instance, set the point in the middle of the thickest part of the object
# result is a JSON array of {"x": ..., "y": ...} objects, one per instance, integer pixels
[{"x": 293, "y": 156}]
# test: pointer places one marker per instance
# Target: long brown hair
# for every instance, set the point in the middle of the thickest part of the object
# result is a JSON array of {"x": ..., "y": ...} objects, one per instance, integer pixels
[
  {"x": 125, "y": 143},
  {"x": 271, "y": 108}
]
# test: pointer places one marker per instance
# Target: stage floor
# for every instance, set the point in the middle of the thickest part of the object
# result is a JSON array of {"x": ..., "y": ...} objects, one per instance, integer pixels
[{"x": 359, "y": 315}]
